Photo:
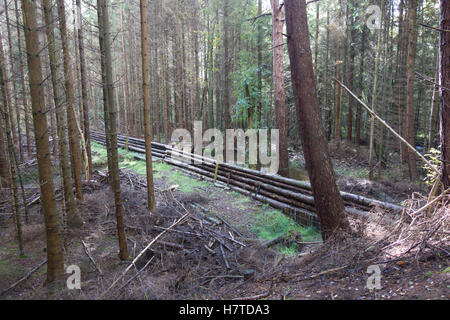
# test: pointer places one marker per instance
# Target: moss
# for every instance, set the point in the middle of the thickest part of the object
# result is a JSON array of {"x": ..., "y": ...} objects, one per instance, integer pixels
[{"x": 271, "y": 223}]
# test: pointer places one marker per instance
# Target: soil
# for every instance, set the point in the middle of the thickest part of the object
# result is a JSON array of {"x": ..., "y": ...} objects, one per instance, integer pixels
[{"x": 206, "y": 258}]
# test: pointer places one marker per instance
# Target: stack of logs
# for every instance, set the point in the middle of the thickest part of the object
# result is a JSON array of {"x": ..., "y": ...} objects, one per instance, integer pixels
[{"x": 293, "y": 197}]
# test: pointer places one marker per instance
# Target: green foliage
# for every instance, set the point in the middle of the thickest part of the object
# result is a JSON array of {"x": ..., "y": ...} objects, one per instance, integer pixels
[
  {"x": 273, "y": 223},
  {"x": 434, "y": 156}
]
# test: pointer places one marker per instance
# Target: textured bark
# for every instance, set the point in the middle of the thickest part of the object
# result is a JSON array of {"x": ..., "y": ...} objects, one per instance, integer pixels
[
  {"x": 259, "y": 45},
  {"x": 351, "y": 75},
  {"x": 374, "y": 98},
  {"x": 13, "y": 71},
  {"x": 445, "y": 92},
  {"x": 278, "y": 85},
  {"x": 125, "y": 75},
  {"x": 328, "y": 202},
  {"x": 55, "y": 268},
  {"x": 146, "y": 93},
  {"x": 226, "y": 9},
  {"x": 361, "y": 88},
  {"x": 5, "y": 176},
  {"x": 337, "y": 100},
  {"x": 434, "y": 110},
  {"x": 74, "y": 136},
  {"x": 73, "y": 219},
  {"x": 22, "y": 81},
  {"x": 110, "y": 109},
  {"x": 84, "y": 88},
  {"x": 410, "y": 132},
  {"x": 11, "y": 154}
]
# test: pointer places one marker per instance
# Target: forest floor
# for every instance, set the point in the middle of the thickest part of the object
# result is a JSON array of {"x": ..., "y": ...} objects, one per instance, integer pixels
[{"x": 221, "y": 252}]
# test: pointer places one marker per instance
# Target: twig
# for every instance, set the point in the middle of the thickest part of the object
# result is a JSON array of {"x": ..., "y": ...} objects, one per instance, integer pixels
[
  {"x": 88, "y": 252},
  {"x": 224, "y": 257},
  {"x": 431, "y": 203},
  {"x": 15, "y": 284},
  {"x": 137, "y": 274},
  {"x": 179, "y": 221}
]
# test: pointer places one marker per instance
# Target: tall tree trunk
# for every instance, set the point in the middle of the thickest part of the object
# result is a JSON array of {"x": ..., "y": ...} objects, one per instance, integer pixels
[
  {"x": 351, "y": 73},
  {"x": 328, "y": 201},
  {"x": 11, "y": 152},
  {"x": 5, "y": 176},
  {"x": 84, "y": 88},
  {"x": 110, "y": 108},
  {"x": 445, "y": 92},
  {"x": 13, "y": 71},
  {"x": 74, "y": 136},
  {"x": 146, "y": 93},
  {"x": 374, "y": 97},
  {"x": 410, "y": 132},
  {"x": 337, "y": 101},
  {"x": 278, "y": 84},
  {"x": 22, "y": 81},
  {"x": 125, "y": 75},
  {"x": 226, "y": 8},
  {"x": 434, "y": 110},
  {"x": 361, "y": 90},
  {"x": 55, "y": 268},
  {"x": 70, "y": 206}
]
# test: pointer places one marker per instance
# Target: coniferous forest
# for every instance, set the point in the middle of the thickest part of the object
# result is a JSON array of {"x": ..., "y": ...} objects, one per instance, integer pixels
[{"x": 224, "y": 149}]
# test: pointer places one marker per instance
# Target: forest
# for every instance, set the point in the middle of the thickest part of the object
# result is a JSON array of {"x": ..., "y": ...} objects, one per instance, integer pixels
[{"x": 224, "y": 149}]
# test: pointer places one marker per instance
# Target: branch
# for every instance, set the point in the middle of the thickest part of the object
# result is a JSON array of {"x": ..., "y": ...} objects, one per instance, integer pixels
[
  {"x": 433, "y": 28},
  {"x": 179, "y": 221},
  {"x": 373, "y": 114}
]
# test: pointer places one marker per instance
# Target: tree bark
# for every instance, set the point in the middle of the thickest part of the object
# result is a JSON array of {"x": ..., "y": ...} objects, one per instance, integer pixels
[
  {"x": 328, "y": 202},
  {"x": 146, "y": 93},
  {"x": 445, "y": 92},
  {"x": 84, "y": 89},
  {"x": 74, "y": 137},
  {"x": 55, "y": 269},
  {"x": 70, "y": 206},
  {"x": 110, "y": 109},
  {"x": 410, "y": 132},
  {"x": 278, "y": 85}
]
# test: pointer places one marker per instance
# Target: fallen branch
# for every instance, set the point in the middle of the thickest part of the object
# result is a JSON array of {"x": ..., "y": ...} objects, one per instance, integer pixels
[
  {"x": 373, "y": 114},
  {"x": 179, "y": 221},
  {"x": 431, "y": 203},
  {"x": 88, "y": 253},
  {"x": 15, "y": 284}
]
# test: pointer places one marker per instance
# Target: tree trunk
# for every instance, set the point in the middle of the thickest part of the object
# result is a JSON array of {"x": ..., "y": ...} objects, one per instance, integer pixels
[
  {"x": 278, "y": 84},
  {"x": 70, "y": 206},
  {"x": 74, "y": 137},
  {"x": 146, "y": 93},
  {"x": 22, "y": 81},
  {"x": 374, "y": 97},
  {"x": 410, "y": 135},
  {"x": 13, "y": 71},
  {"x": 226, "y": 8},
  {"x": 55, "y": 269},
  {"x": 11, "y": 153},
  {"x": 328, "y": 201},
  {"x": 84, "y": 88},
  {"x": 110, "y": 109},
  {"x": 445, "y": 92}
]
